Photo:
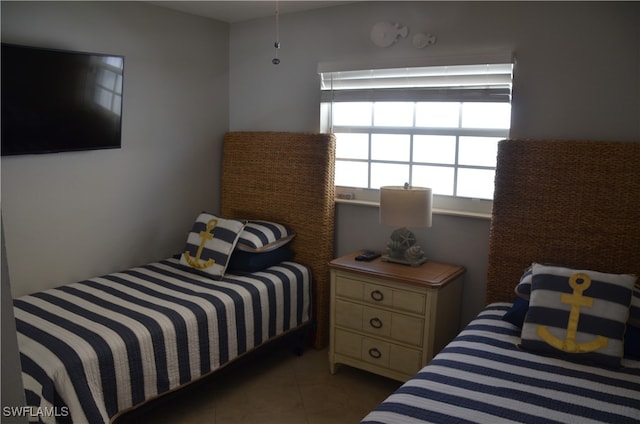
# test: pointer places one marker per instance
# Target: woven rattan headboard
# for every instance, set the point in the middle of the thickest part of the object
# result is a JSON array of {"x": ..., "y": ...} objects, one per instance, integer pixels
[
  {"x": 571, "y": 203},
  {"x": 287, "y": 178}
]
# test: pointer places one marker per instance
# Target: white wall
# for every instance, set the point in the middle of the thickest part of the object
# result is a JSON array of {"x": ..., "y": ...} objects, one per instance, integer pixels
[
  {"x": 71, "y": 216},
  {"x": 577, "y": 76}
]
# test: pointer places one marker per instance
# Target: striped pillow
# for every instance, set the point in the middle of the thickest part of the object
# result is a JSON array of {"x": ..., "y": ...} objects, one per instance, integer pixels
[
  {"x": 578, "y": 313},
  {"x": 263, "y": 236},
  {"x": 523, "y": 289},
  {"x": 634, "y": 311},
  {"x": 210, "y": 243}
]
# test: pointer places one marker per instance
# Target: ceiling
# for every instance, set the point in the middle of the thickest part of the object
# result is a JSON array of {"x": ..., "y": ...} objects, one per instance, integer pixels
[{"x": 236, "y": 11}]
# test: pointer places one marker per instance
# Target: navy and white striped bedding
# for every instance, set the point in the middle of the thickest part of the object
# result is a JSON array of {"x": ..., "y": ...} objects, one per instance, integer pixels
[
  {"x": 101, "y": 346},
  {"x": 482, "y": 377}
]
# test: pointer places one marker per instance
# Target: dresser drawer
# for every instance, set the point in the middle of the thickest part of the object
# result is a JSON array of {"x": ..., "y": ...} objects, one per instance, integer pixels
[
  {"x": 377, "y": 352},
  {"x": 379, "y": 294},
  {"x": 399, "y": 327}
]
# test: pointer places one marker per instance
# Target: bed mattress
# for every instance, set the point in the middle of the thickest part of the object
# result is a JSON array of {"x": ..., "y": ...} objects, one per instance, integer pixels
[
  {"x": 92, "y": 349},
  {"x": 483, "y": 377}
]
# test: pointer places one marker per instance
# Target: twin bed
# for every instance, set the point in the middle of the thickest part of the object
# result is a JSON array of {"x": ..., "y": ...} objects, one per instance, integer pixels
[
  {"x": 97, "y": 347},
  {"x": 574, "y": 205},
  {"x": 255, "y": 273},
  {"x": 101, "y": 347}
]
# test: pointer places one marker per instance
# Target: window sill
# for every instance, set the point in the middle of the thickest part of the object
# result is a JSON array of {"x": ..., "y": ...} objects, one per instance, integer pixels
[{"x": 450, "y": 212}]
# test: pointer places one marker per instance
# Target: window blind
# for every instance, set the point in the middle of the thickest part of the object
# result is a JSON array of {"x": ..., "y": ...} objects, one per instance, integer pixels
[{"x": 465, "y": 83}]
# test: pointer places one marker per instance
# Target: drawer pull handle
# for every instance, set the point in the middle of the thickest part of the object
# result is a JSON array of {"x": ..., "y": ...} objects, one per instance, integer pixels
[
  {"x": 377, "y": 295},
  {"x": 375, "y": 322},
  {"x": 375, "y": 353}
]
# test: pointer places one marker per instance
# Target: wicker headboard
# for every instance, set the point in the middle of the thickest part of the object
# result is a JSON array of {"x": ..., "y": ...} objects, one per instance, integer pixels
[
  {"x": 287, "y": 178},
  {"x": 571, "y": 203}
]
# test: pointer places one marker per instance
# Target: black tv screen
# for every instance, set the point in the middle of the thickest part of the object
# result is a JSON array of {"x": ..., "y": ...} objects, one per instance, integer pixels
[{"x": 59, "y": 101}]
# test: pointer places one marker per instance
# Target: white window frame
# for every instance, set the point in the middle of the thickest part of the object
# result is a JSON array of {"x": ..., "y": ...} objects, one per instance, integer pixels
[{"x": 438, "y": 87}]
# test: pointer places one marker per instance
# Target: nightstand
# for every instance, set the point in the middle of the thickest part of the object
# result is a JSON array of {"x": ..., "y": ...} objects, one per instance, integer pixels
[{"x": 391, "y": 319}]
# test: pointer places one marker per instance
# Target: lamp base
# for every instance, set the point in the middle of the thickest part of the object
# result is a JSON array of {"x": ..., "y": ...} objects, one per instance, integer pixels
[
  {"x": 412, "y": 262},
  {"x": 402, "y": 249}
]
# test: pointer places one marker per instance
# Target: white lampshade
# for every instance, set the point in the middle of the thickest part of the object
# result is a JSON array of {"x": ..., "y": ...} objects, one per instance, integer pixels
[{"x": 405, "y": 207}]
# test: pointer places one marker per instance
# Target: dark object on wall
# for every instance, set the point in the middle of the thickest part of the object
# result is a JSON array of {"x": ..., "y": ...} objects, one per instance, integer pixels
[{"x": 58, "y": 101}]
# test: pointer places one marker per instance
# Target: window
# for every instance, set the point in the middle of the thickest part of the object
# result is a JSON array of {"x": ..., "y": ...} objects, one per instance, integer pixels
[{"x": 433, "y": 126}]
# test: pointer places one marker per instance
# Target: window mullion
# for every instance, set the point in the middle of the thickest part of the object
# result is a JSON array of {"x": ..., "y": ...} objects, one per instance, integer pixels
[
  {"x": 470, "y": 132},
  {"x": 457, "y": 157},
  {"x": 369, "y": 157},
  {"x": 411, "y": 144}
]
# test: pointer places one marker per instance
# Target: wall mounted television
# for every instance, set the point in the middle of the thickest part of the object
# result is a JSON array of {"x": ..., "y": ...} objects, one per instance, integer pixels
[{"x": 59, "y": 101}]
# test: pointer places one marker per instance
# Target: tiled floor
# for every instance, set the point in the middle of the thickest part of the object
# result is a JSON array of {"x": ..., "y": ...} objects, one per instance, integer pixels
[{"x": 278, "y": 388}]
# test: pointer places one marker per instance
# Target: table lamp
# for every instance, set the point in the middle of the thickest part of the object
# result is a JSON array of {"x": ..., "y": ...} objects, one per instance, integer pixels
[{"x": 405, "y": 207}]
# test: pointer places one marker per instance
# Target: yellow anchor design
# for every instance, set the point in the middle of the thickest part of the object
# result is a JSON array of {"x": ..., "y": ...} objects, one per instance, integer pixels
[
  {"x": 579, "y": 283},
  {"x": 204, "y": 236}
]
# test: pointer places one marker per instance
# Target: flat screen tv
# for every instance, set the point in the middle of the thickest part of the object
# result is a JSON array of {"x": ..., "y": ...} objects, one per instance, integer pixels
[{"x": 59, "y": 101}]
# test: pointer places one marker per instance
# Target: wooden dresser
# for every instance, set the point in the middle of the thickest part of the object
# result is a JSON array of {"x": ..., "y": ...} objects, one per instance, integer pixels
[{"x": 391, "y": 319}]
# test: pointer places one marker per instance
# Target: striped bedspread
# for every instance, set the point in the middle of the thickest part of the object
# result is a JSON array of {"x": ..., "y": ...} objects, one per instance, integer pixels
[
  {"x": 482, "y": 377},
  {"x": 92, "y": 349}
]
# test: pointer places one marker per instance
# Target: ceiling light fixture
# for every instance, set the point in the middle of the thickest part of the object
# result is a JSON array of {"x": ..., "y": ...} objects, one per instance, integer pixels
[{"x": 276, "y": 45}]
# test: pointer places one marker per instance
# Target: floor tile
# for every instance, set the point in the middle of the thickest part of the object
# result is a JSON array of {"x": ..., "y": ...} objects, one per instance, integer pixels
[{"x": 277, "y": 387}]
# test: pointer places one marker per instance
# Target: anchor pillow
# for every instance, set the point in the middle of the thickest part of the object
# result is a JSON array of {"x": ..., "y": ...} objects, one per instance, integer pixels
[
  {"x": 580, "y": 314},
  {"x": 523, "y": 291},
  {"x": 210, "y": 243}
]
